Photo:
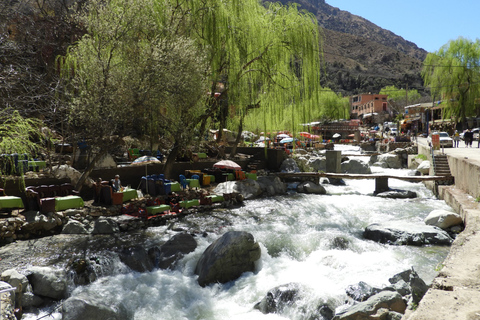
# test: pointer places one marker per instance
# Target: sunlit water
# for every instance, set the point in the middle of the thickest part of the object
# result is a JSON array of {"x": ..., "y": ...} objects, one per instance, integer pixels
[{"x": 295, "y": 233}]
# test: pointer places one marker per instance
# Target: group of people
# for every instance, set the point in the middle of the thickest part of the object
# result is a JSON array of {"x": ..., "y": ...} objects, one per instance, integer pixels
[{"x": 467, "y": 137}]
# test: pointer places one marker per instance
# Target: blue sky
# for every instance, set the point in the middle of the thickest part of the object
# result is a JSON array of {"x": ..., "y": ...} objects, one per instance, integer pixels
[{"x": 428, "y": 23}]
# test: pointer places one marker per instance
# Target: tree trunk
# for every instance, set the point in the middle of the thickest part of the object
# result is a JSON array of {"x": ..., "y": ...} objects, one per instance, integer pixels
[
  {"x": 167, "y": 170},
  {"x": 237, "y": 140},
  {"x": 89, "y": 170}
]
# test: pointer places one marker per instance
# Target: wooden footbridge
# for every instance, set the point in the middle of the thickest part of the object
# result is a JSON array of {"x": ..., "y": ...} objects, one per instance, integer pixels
[{"x": 381, "y": 180}]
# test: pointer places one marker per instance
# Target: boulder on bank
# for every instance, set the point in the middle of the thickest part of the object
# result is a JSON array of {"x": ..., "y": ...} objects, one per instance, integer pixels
[
  {"x": 251, "y": 189},
  {"x": 311, "y": 188},
  {"x": 383, "y": 302},
  {"x": 289, "y": 165},
  {"x": 443, "y": 219},
  {"x": 84, "y": 306},
  {"x": 387, "y": 160},
  {"x": 410, "y": 282},
  {"x": 318, "y": 163},
  {"x": 105, "y": 226},
  {"x": 424, "y": 167},
  {"x": 48, "y": 282},
  {"x": 361, "y": 291},
  {"x": 74, "y": 227},
  {"x": 404, "y": 233},
  {"x": 227, "y": 258}
]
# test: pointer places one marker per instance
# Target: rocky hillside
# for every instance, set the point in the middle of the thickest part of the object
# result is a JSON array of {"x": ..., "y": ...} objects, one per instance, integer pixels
[{"x": 361, "y": 56}]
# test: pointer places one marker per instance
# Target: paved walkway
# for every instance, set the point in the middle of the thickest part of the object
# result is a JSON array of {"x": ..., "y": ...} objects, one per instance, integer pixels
[{"x": 455, "y": 292}]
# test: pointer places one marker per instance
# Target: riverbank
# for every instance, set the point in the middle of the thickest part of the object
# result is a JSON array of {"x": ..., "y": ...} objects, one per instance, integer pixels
[{"x": 455, "y": 292}]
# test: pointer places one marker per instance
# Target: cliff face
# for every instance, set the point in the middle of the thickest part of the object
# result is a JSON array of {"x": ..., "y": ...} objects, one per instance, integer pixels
[{"x": 361, "y": 56}]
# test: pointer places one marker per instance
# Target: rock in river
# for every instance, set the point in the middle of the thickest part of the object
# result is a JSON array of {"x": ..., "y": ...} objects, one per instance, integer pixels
[{"x": 403, "y": 233}]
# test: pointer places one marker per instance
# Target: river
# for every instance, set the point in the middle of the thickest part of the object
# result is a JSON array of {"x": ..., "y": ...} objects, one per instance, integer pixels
[{"x": 296, "y": 233}]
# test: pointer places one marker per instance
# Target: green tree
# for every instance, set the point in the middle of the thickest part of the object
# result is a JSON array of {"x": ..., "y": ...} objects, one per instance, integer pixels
[
  {"x": 400, "y": 94},
  {"x": 18, "y": 135},
  {"x": 130, "y": 74},
  {"x": 453, "y": 75}
]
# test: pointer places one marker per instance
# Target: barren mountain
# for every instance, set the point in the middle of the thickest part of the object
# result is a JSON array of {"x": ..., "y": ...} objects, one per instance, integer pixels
[{"x": 361, "y": 56}]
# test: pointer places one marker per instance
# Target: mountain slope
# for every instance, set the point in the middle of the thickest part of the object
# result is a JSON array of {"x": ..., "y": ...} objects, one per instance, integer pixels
[{"x": 361, "y": 56}]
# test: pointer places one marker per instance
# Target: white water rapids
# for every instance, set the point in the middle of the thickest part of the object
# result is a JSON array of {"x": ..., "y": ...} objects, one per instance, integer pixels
[{"x": 295, "y": 233}]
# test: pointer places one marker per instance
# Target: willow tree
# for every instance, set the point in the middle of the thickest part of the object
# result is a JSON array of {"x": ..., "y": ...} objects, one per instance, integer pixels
[
  {"x": 453, "y": 75},
  {"x": 131, "y": 74},
  {"x": 18, "y": 135},
  {"x": 264, "y": 57}
]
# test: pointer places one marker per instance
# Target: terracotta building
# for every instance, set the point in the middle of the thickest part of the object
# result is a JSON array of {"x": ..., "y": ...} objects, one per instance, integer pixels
[{"x": 367, "y": 105}]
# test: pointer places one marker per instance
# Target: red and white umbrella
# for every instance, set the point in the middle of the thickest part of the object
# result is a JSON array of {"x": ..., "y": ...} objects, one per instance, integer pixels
[{"x": 227, "y": 164}]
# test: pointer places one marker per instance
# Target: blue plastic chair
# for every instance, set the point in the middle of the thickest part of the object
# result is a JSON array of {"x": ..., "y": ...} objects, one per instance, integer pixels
[
  {"x": 196, "y": 176},
  {"x": 183, "y": 181}
]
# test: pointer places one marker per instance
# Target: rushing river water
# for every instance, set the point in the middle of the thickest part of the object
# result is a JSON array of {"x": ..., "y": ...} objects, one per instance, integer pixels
[{"x": 296, "y": 234}]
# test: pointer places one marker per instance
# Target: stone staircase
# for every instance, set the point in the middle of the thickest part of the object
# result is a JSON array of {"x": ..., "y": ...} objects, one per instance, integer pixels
[{"x": 441, "y": 168}]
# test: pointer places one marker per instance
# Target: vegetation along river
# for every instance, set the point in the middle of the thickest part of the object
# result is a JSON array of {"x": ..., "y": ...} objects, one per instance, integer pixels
[{"x": 297, "y": 235}]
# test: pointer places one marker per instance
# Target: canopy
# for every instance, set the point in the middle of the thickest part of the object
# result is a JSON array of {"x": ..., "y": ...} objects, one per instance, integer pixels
[
  {"x": 262, "y": 138},
  {"x": 227, "y": 164},
  {"x": 305, "y": 134},
  {"x": 336, "y": 135},
  {"x": 282, "y": 136},
  {"x": 287, "y": 140},
  {"x": 145, "y": 160}
]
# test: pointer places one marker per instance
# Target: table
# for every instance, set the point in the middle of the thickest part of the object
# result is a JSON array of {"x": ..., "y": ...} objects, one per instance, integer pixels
[
  {"x": 189, "y": 203},
  {"x": 36, "y": 165},
  {"x": 68, "y": 202},
  {"x": 158, "y": 209},
  {"x": 193, "y": 183},
  {"x": 216, "y": 198},
  {"x": 202, "y": 155},
  {"x": 174, "y": 186},
  {"x": 230, "y": 176},
  {"x": 212, "y": 177},
  {"x": 252, "y": 176},
  {"x": 129, "y": 194},
  {"x": 10, "y": 202}
]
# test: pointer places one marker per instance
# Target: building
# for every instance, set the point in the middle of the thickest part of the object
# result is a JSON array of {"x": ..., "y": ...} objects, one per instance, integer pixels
[{"x": 366, "y": 105}]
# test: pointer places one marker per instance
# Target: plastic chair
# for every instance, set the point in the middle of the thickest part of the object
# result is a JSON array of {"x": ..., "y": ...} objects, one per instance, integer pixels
[
  {"x": 195, "y": 176},
  {"x": 183, "y": 181}
]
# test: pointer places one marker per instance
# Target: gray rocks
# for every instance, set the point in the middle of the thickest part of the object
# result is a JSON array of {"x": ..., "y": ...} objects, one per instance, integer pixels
[
  {"x": 310, "y": 187},
  {"x": 387, "y": 160},
  {"x": 355, "y": 166},
  {"x": 424, "y": 167},
  {"x": 171, "y": 251},
  {"x": 443, "y": 219},
  {"x": 278, "y": 298},
  {"x": 289, "y": 165},
  {"x": 105, "y": 226},
  {"x": 136, "y": 258},
  {"x": 7, "y": 305},
  {"x": 84, "y": 306},
  {"x": 402, "y": 233},
  {"x": 413, "y": 285},
  {"x": 251, "y": 189},
  {"x": 227, "y": 258},
  {"x": 397, "y": 194},
  {"x": 74, "y": 227},
  {"x": 361, "y": 291},
  {"x": 381, "y": 303},
  {"x": 48, "y": 282}
]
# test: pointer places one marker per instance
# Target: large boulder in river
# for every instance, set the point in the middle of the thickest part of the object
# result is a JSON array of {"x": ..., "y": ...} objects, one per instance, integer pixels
[
  {"x": 355, "y": 166},
  {"x": 424, "y": 167},
  {"x": 272, "y": 185},
  {"x": 404, "y": 233},
  {"x": 397, "y": 194},
  {"x": 165, "y": 256},
  {"x": 318, "y": 163},
  {"x": 278, "y": 298},
  {"x": 443, "y": 219},
  {"x": 311, "y": 187},
  {"x": 48, "y": 282},
  {"x": 411, "y": 283},
  {"x": 383, "y": 302},
  {"x": 227, "y": 258},
  {"x": 85, "y": 306},
  {"x": 136, "y": 258}
]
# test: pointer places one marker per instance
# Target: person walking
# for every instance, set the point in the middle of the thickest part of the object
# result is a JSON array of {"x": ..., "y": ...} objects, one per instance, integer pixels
[
  {"x": 468, "y": 137},
  {"x": 456, "y": 139}
]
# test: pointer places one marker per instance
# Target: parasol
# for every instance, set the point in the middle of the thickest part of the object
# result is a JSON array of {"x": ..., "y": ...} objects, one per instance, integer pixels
[
  {"x": 227, "y": 164},
  {"x": 287, "y": 140},
  {"x": 305, "y": 134},
  {"x": 145, "y": 160},
  {"x": 336, "y": 135}
]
